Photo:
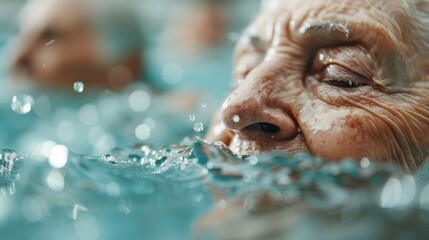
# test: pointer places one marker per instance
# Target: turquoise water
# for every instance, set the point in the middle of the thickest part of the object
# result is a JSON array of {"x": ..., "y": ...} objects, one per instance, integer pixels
[
  {"x": 197, "y": 190},
  {"x": 193, "y": 190}
]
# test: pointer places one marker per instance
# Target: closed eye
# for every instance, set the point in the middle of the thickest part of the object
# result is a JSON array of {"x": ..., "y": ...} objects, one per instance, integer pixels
[{"x": 341, "y": 77}]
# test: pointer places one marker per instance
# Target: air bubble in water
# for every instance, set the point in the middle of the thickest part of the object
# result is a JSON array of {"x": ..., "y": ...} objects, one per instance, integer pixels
[
  {"x": 78, "y": 87},
  {"x": 192, "y": 118},
  {"x": 198, "y": 127},
  {"x": 22, "y": 104}
]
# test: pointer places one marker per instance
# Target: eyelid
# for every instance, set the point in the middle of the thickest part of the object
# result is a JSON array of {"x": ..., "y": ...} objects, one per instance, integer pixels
[{"x": 339, "y": 72}]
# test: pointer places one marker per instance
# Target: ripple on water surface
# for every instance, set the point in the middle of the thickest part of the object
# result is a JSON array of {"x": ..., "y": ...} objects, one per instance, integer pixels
[{"x": 200, "y": 190}]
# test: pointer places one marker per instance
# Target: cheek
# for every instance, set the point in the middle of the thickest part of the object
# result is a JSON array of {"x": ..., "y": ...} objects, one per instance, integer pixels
[
  {"x": 337, "y": 133},
  {"x": 339, "y": 142}
]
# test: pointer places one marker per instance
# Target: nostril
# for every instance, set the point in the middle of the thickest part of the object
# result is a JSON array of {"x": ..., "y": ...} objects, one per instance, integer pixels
[{"x": 267, "y": 127}]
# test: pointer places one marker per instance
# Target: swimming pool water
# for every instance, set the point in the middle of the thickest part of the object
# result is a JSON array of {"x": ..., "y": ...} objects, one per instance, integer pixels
[{"x": 197, "y": 190}]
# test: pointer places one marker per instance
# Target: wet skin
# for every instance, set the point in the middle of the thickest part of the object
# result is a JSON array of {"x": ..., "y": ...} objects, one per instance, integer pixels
[
  {"x": 339, "y": 79},
  {"x": 58, "y": 46}
]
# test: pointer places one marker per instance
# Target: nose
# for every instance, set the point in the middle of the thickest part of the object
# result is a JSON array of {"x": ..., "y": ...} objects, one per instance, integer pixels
[
  {"x": 21, "y": 59},
  {"x": 250, "y": 112}
]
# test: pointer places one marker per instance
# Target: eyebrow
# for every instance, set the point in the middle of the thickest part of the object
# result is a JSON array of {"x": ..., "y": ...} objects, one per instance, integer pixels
[
  {"x": 325, "y": 28},
  {"x": 375, "y": 38},
  {"x": 333, "y": 32}
]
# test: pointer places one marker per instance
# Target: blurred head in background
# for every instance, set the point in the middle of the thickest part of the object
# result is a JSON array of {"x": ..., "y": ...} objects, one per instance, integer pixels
[
  {"x": 200, "y": 26},
  {"x": 65, "y": 41}
]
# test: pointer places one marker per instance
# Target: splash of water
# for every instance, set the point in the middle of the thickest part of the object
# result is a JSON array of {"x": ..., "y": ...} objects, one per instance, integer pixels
[
  {"x": 172, "y": 186},
  {"x": 9, "y": 165}
]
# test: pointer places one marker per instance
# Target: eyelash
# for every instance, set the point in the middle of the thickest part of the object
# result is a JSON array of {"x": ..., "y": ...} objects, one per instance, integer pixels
[
  {"x": 337, "y": 75},
  {"x": 344, "y": 83}
]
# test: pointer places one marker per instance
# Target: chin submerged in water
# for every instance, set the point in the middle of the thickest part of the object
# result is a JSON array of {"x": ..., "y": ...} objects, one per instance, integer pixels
[{"x": 338, "y": 79}]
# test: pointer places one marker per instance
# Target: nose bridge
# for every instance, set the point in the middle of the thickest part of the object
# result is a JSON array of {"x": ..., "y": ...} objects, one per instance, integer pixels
[
  {"x": 263, "y": 103},
  {"x": 261, "y": 93},
  {"x": 23, "y": 50},
  {"x": 242, "y": 105}
]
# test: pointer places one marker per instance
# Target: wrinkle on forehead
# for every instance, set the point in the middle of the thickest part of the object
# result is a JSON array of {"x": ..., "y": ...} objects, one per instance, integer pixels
[{"x": 393, "y": 17}]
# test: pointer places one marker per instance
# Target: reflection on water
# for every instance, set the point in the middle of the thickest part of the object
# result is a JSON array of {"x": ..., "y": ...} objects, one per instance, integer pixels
[{"x": 202, "y": 191}]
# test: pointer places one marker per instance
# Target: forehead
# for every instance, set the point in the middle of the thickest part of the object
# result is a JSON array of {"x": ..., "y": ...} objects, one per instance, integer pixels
[
  {"x": 369, "y": 22},
  {"x": 339, "y": 6},
  {"x": 386, "y": 12},
  {"x": 39, "y": 14}
]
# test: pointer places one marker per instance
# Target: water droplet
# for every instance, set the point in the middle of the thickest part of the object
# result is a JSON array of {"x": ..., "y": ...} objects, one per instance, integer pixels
[
  {"x": 322, "y": 57},
  {"x": 364, "y": 163},
  {"x": 236, "y": 118},
  {"x": 22, "y": 104},
  {"x": 198, "y": 127},
  {"x": 253, "y": 160},
  {"x": 8, "y": 159},
  {"x": 78, "y": 87},
  {"x": 192, "y": 118},
  {"x": 203, "y": 104}
]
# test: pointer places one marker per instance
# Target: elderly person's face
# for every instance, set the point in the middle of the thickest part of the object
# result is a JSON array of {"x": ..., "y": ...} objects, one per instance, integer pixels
[
  {"x": 336, "y": 78},
  {"x": 58, "y": 46}
]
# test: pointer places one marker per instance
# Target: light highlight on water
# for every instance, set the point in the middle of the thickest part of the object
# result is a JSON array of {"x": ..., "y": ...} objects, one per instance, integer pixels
[
  {"x": 142, "y": 132},
  {"x": 172, "y": 73},
  {"x": 55, "y": 180},
  {"x": 58, "y": 156},
  {"x": 391, "y": 194},
  {"x": 139, "y": 101}
]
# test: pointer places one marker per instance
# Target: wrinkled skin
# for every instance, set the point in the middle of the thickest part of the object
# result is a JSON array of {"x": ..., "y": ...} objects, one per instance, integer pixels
[
  {"x": 339, "y": 79},
  {"x": 58, "y": 46}
]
